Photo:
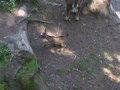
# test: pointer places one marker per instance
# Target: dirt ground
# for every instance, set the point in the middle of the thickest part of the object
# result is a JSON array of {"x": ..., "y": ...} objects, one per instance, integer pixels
[{"x": 91, "y": 59}]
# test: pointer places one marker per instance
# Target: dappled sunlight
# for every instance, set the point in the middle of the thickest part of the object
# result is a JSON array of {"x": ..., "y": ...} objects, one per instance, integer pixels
[
  {"x": 113, "y": 72},
  {"x": 111, "y": 57},
  {"x": 117, "y": 57},
  {"x": 118, "y": 13},
  {"x": 52, "y": 32},
  {"x": 40, "y": 28},
  {"x": 56, "y": 31},
  {"x": 64, "y": 52},
  {"x": 21, "y": 12},
  {"x": 68, "y": 52},
  {"x": 110, "y": 74},
  {"x": 108, "y": 57}
]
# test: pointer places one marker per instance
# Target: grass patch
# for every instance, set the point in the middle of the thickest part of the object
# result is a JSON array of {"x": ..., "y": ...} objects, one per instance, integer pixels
[
  {"x": 25, "y": 75},
  {"x": 3, "y": 85},
  {"x": 62, "y": 70},
  {"x": 81, "y": 65},
  {"x": 107, "y": 54},
  {"x": 109, "y": 66},
  {"x": 29, "y": 67},
  {"x": 84, "y": 65},
  {"x": 7, "y": 6},
  {"x": 35, "y": 10},
  {"x": 77, "y": 87},
  {"x": 4, "y": 55},
  {"x": 42, "y": 15},
  {"x": 94, "y": 57}
]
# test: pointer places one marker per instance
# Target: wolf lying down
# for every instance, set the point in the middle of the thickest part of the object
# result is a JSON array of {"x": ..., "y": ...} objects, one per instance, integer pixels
[
  {"x": 86, "y": 6},
  {"x": 58, "y": 42}
]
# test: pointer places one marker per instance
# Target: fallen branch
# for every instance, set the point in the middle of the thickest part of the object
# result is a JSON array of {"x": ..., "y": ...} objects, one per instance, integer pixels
[
  {"x": 50, "y": 3},
  {"x": 23, "y": 19},
  {"x": 40, "y": 21},
  {"x": 54, "y": 4}
]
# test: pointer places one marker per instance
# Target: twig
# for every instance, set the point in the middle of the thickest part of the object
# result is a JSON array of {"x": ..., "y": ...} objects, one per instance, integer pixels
[
  {"x": 23, "y": 19},
  {"x": 54, "y": 4},
  {"x": 50, "y": 3},
  {"x": 40, "y": 21}
]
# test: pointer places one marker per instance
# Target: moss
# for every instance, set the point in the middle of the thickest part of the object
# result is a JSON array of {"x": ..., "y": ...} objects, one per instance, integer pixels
[
  {"x": 25, "y": 75},
  {"x": 4, "y": 55},
  {"x": 28, "y": 68},
  {"x": 27, "y": 83},
  {"x": 7, "y": 6},
  {"x": 3, "y": 85}
]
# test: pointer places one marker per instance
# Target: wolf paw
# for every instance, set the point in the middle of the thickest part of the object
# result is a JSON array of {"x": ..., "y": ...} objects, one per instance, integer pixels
[
  {"x": 66, "y": 18},
  {"x": 77, "y": 18}
]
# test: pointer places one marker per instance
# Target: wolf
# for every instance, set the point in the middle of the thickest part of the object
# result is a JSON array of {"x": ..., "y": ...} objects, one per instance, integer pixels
[{"x": 72, "y": 6}]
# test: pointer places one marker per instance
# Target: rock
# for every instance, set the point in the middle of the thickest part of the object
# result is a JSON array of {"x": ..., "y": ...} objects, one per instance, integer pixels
[{"x": 19, "y": 41}]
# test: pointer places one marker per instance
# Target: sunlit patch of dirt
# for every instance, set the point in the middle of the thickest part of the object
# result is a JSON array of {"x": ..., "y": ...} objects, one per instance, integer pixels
[
  {"x": 117, "y": 56},
  {"x": 108, "y": 57},
  {"x": 111, "y": 57},
  {"x": 110, "y": 74},
  {"x": 65, "y": 52}
]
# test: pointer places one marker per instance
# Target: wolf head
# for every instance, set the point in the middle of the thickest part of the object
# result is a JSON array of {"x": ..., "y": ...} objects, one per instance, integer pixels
[{"x": 75, "y": 6}]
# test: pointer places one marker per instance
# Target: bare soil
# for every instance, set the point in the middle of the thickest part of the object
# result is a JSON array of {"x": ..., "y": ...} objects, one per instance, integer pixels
[{"x": 90, "y": 41}]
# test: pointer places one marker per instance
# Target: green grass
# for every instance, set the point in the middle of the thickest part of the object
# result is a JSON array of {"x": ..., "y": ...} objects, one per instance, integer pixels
[
  {"x": 77, "y": 87},
  {"x": 84, "y": 65},
  {"x": 35, "y": 10},
  {"x": 31, "y": 66},
  {"x": 3, "y": 86},
  {"x": 62, "y": 70},
  {"x": 25, "y": 75},
  {"x": 7, "y": 6},
  {"x": 107, "y": 54},
  {"x": 11, "y": 4},
  {"x": 109, "y": 66},
  {"x": 4, "y": 55},
  {"x": 42, "y": 15},
  {"x": 81, "y": 65},
  {"x": 94, "y": 57}
]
